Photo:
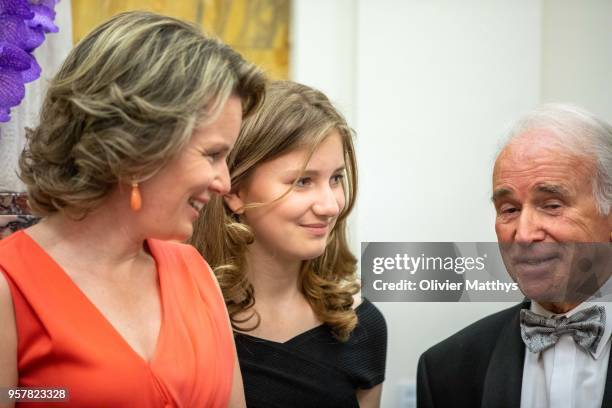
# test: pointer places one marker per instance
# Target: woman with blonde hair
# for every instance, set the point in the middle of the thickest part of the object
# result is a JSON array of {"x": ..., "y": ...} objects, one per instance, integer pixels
[
  {"x": 278, "y": 245},
  {"x": 98, "y": 301}
]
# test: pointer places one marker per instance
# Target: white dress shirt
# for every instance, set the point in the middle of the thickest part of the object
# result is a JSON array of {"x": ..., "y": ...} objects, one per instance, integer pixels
[{"x": 566, "y": 375}]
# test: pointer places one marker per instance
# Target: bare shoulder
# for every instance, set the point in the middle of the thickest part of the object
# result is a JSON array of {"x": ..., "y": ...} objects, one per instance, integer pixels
[
  {"x": 357, "y": 300},
  {"x": 214, "y": 279},
  {"x": 6, "y": 300},
  {"x": 8, "y": 335}
]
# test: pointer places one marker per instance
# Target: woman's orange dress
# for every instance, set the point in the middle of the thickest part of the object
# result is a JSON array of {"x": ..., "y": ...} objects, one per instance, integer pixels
[{"x": 64, "y": 341}]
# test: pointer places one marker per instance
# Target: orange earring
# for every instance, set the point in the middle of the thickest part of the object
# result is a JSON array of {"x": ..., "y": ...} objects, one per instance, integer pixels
[{"x": 135, "y": 199}]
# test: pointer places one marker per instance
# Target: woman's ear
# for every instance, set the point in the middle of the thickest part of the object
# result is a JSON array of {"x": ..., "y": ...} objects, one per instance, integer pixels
[{"x": 234, "y": 202}]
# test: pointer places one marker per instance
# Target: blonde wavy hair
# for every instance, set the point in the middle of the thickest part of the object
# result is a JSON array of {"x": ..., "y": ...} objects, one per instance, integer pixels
[
  {"x": 124, "y": 103},
  {"x": 292, "y": 116}
]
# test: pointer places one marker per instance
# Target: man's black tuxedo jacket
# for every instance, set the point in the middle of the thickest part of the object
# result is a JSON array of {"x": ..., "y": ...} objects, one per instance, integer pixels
[{"x": 480, "y": 366}]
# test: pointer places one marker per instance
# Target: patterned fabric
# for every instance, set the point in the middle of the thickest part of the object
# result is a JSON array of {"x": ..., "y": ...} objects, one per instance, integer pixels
[
  {"x": 586, "y": 327},
  {"x": 14, "y": 204},
  {"x": 14, "y": 213}
]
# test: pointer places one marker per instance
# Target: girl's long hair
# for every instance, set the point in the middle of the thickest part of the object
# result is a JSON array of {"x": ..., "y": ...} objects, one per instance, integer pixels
[{"x": 292, "y": 116}]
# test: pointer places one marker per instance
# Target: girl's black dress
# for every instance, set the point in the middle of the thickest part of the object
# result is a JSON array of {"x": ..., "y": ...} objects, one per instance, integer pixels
[{"x": 314, "y": 369}]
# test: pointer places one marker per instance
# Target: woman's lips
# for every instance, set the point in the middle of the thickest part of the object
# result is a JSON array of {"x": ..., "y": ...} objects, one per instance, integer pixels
[{"x": 196, "y": 205}]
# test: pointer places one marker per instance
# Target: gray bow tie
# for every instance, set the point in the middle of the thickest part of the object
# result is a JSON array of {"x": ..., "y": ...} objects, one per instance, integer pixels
[{"x": 586, "y": 327}]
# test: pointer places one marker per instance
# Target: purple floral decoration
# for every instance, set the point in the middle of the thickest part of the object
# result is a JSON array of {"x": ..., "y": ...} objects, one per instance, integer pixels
[{"x": 23, "y": 25}]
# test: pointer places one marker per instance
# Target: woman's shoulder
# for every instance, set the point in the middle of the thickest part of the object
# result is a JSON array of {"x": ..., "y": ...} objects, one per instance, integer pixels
[
  {"x": 187, "y": 265},
  {"x": 21, "y": 256},
  {"x": 8, "y": 334},
  {"x": 10, "y": 243},
  {"x": 178, "y": 255},
  {"x": 174, "y": 247},
  {"x": 184, "y": 261}
]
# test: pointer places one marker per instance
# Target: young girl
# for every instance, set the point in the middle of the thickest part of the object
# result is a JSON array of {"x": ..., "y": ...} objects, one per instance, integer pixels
[{"x": 278, "y": 245}]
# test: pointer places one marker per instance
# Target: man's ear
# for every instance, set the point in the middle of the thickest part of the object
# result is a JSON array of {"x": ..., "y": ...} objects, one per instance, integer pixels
[{"x": 234, "y": 202}]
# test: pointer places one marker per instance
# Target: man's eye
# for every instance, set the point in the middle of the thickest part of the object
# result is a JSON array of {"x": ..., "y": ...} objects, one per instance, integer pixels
[
  {"x": 507, "y": 209},
  {"x": 552, "y": 206}
]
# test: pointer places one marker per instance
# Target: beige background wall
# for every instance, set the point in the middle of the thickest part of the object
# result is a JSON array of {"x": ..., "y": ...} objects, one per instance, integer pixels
[{"x": 258, "y": 29}]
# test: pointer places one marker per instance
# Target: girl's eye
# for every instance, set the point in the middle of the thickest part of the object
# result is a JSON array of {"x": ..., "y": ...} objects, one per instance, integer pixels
[
  {"x": 303, "y": 182},
  {"x": 337, "y": 179}
]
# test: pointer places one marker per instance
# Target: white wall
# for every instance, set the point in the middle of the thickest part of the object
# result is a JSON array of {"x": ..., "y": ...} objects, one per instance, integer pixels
[
  {"x": 577, "y": 54},
  {"x": 323, "y": 49},
  {"x": 436, "y": 84},
  {"x": 430, "y": 86},
  {"x": 323, "y": 54}
]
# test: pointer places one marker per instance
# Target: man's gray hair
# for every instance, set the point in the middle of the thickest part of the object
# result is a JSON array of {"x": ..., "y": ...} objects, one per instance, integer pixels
[{"x": 581, "y": 133}]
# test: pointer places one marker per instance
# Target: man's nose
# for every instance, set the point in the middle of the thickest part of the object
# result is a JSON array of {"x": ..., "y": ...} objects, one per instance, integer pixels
[
  {"x": 221, "y": 184},
  {"x": 327, "y": 203},
  {"x": 529, "y": 227}
]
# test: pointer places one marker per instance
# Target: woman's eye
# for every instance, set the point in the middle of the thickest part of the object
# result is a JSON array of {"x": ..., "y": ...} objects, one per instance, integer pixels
[{"x": 213, "y": 156}]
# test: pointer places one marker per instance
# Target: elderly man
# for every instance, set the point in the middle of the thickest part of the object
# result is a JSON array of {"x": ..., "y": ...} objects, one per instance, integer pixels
[{"x": 552, "y": 191}]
